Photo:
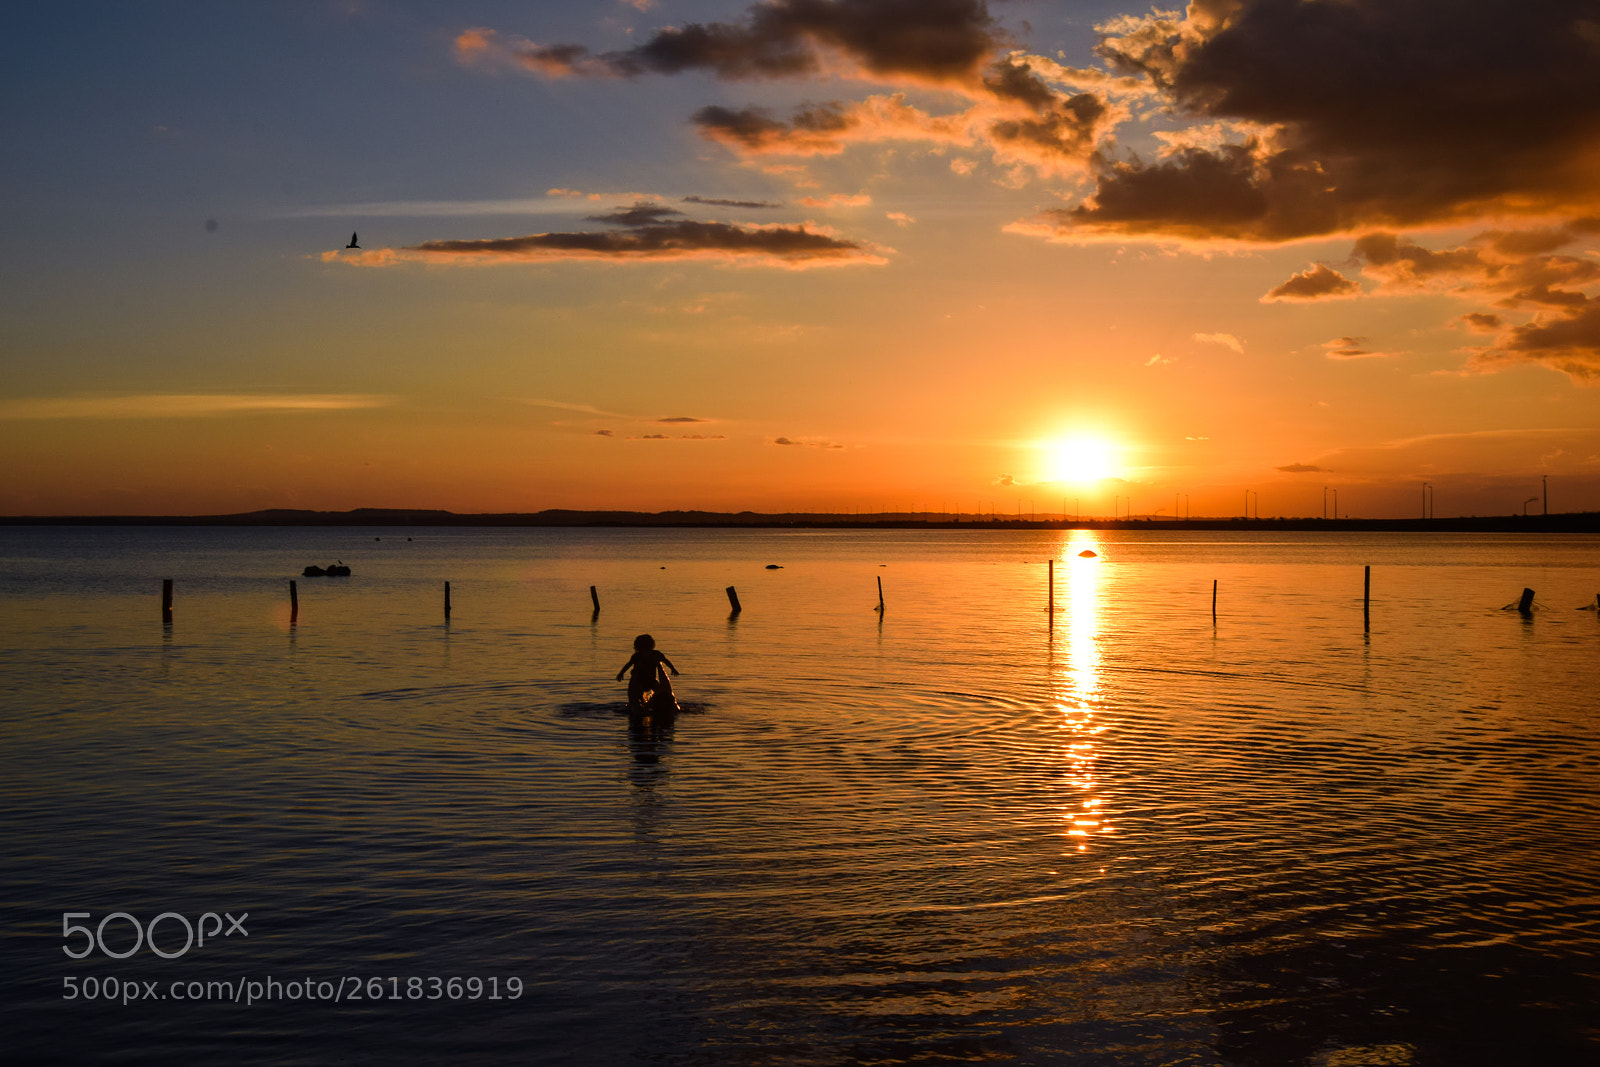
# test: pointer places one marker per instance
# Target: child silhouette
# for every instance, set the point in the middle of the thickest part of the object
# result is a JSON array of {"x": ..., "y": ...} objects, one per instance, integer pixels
[{"x": 648, "y": 677}]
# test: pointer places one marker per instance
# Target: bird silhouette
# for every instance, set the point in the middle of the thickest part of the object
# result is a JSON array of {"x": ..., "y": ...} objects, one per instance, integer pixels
[{"x": 352, "y": 243}]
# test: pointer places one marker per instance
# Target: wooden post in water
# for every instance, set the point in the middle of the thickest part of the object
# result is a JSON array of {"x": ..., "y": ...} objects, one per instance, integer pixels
[
  {"x": 446, "y": 601},
  {"x": 733, "y": 600},
  {"x": 1213, "y": 602},
  {"x": 1366, "y": 598},
  {"x": 1525, "y": 605},
  {"x": 294, "y": 603},
  {"x": 595, "y": 597},
  {"x": 879, "y": 608},
  {"x": 1051, "y": 607},
  {"x": 166, "y": 600}
]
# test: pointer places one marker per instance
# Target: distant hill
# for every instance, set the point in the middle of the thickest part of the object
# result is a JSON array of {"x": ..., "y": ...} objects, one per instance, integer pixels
[{"x": 1574, "y": 522}]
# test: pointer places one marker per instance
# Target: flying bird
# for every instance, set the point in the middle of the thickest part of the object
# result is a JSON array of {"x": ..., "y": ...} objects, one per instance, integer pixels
[{"x": 352, "y": 243}]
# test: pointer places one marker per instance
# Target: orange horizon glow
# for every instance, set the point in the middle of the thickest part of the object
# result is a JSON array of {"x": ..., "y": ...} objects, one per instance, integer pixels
[{"x": 1070, "y": 288}]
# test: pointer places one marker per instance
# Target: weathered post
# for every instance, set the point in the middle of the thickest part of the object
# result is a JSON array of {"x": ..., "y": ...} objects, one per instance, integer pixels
[
  {"x": 733, "y": 600},
  {"x": 447, "y": 601},
  {"x": 1213, "y": 602},
  {"x": 1366, "y": 597},
  {"x": 1525, "y": 605},
  {"x": 1051, "y": 607},
  {"x": 294, "y": 603},
  {"x": 879, "y": 608},
  {"x": 594, "y": 596},
  {"x": 166, "y": 600}
]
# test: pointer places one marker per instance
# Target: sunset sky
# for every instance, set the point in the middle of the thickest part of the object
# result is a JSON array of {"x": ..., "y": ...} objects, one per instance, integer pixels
[{"x": 802, "y": 255}]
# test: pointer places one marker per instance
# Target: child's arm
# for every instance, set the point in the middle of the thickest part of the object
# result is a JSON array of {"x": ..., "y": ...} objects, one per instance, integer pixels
[
  {"x": 626, "y": 665},
  {"x": 670, "y": 667}
]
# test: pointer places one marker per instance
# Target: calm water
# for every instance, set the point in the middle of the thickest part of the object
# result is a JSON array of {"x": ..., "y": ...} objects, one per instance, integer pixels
[{"x": 964, "y": 830}]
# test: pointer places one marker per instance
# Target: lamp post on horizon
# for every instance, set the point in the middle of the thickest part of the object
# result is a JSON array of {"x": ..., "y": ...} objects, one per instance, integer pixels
[
  {"x": 1544, "y": 479},
  {"x": 1425, "y": 499},
  {"x": 1336, "y": 503}
]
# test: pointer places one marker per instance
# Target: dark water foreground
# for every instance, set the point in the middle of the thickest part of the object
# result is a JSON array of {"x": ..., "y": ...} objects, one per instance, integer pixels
[{"x": 956, "y": 833}]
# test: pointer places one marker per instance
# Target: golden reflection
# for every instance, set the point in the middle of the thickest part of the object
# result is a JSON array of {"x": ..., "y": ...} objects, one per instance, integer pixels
[{"x": 1075, "y": 685}]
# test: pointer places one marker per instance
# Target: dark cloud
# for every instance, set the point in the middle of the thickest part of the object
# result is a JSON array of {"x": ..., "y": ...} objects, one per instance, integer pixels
[
  {"x": 1356, "y": 114},
  {"x": 1294, "y": 119},
  {"x": 826, "y": 129},
  {"x": 643, "y": 213},
  {"x": 1005, "y": 480},
  {"x": 954, "y": 44},
  {"x": 712, "y": 201},
  {"x": 1300, "y": 468},
  {"x": 1065, "y": 129},
  {"x": 1351, "y": 348},
  {"x": 1320, "y": 282},
  {"x": 927, "y": 40},
  {"x": 1482, "y": 321},
  {"x": 791, "y": 246},
  {"x": 606, "y": 433},
  {"x": 807, "y": 444},
  {"x": 679, "y": 436},
  {"x": 811, "y": 130},
  {"x": 1567, "y": 341},
  {"x": 1492, "y": 263},
  {"x": 682, "y": 418},
  {"x": 1010, "y": 79}
]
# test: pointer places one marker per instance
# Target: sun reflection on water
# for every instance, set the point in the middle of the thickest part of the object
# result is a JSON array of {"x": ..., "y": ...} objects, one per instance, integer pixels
[{"x": 1074, "y": 686}]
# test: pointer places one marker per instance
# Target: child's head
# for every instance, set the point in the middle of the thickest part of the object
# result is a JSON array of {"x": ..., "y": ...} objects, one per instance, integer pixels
[{"x": 643, "y": 643}]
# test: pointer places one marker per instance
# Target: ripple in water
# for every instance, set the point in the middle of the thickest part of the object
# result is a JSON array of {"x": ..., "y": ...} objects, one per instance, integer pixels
[{"x": 953, "y": 833}]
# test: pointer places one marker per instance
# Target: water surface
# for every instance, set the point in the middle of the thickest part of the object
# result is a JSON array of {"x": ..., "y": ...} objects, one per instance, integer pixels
[{"x": 964, "y": 829}]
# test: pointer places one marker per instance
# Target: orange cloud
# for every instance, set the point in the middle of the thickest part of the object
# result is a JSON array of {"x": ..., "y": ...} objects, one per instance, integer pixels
[
  {"x": 826, "y": 129},
  {"x": 837, "y": 200},
  {"x": 184, "y": 405},
  {"x": 1320, "y": 282},
  {"x": 1514, "y": 269},
  {"x": 1567, "y": 341},
  {"x": 1344, "y": 348},
  {"x": 1030, "y": 111},
  {"x": 1227, "y": 340}
]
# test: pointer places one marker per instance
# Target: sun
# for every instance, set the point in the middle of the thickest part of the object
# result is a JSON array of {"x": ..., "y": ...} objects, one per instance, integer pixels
[{"x": 1079, "y": 459}]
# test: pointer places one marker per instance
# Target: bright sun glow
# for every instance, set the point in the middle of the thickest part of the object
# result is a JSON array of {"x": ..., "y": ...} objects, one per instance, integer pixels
[{"x": 1080, "y": 459}]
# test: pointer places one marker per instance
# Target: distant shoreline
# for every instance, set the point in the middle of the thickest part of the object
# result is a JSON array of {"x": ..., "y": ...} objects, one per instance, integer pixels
[{"x": 1570, "y": 522}]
